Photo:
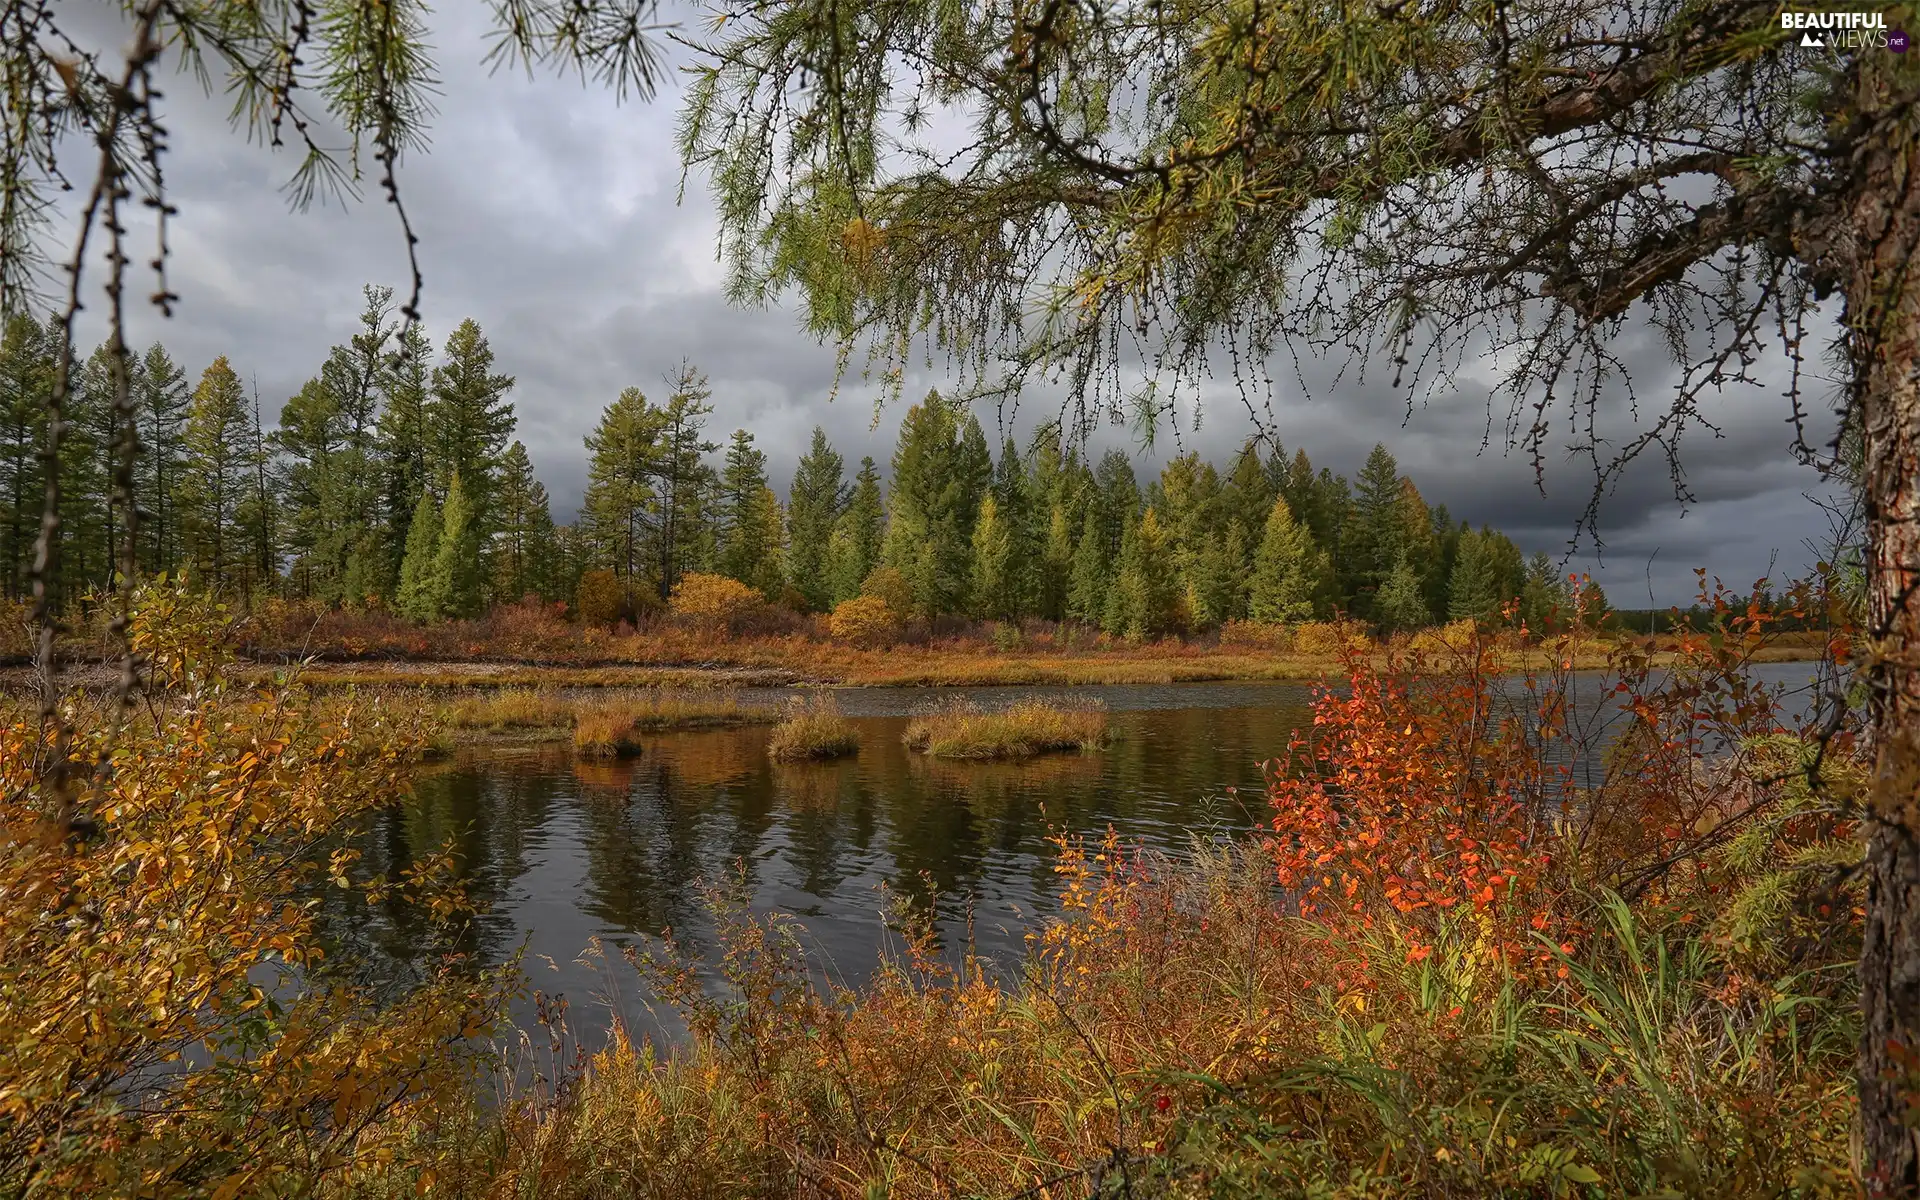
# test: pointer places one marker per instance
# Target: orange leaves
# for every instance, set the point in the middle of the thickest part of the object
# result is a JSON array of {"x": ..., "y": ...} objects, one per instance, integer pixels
[{"x": 1418, "y": 795}]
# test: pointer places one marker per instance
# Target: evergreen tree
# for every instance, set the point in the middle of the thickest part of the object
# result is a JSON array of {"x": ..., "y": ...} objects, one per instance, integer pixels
[
  {"x": 1370, "y": 540},
  {"x": 749, "y": 518},
  {"x": 1544, "y": 599},
  {"x": 26, "y": 376},
  {"x": 216, "y": 477},
  {"x": 88, "y": 515},
  {"x": 1401, "y": 603},
  {"x": 406, "y": 441},
  {"x": 1143, "y": 600},
  {"x": 1014, "y": 512},
  {"x": 1056, "y": 565},
  {"x": 358, "y": 374},
  {"x": 857, "y": 536},
  {"x": 454, "y": 582},
  {"x": 1116, "y": 499},
  {"x": 624, "y": 456},
  {"x": 161, "y": 400},
  {"x": 1284, "y": 569},
  {"x": 416, "y": 598},
  {"x": 929, "y": 531},
  {"x": 523, "y": 544},
  {"x": 973, "y": 467},
  {"x": 470, "y": 418},
  {"x": 813, "y": 507},
  {"x": 1088, "y": 585},
  {"x": 312, "y": 439},
  {"x": 683, "y": 481},
  {"x": 1474, "y": 592},
  {"x": 258, "y": 515},
  {"x": 995, "y": 590}
]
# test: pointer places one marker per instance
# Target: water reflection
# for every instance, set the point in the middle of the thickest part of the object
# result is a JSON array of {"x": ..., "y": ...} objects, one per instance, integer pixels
[{"x": 562, "y": 851}]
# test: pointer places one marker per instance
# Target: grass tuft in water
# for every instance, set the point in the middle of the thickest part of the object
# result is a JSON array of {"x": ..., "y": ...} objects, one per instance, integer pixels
[
  {"x": 813, "y": 731},
  {"x": 1027, "y": 728}
]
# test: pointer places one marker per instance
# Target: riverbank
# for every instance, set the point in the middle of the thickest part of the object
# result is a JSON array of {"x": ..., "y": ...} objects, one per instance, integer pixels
[{"x": 763, "y": 665}]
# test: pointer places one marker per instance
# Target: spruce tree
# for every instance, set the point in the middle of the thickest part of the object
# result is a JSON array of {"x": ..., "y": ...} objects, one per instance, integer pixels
[
  {"x": 1056, "y": 566},
  {"x": 259, "y": 514},
  {"x": 311, "y": 438},
  {"x": 406, "y": 441},
  {"x": 813, "y": 507},
  {"x": 995, "y": 590},
  {"x": 1401, "y": 603},
  {"x": 1284, "y": 575},
  {"x": 416, "y": 598},
  {"x": 88, "y": 513},
  {"x": 750, "y": 518},
  {"x": 1473, "y": 592},
  {"x": 215, "y": 480},
  {"x": 1116, "y": 499},
  {"x": 1371, "y": 537},
  {"x": 623, "y": 459},
  {"x": 359, "y": 374},
  {"x": 1143, "y": 600},
  {"x": 456, "y": 575},
  {"x": 929, "y": 532},
  {"x": 1015, "y": 512},
  {"x": 471, "y": 419},
  {"x": 1087, "y": 586},
  {"x": 854, "y": 550}
]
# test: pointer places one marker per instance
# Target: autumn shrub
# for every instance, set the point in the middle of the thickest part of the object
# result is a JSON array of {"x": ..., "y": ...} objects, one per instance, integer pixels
[
  {"x": 599, "y": 599},
  {"x": 864, "y": 621},
  {"x": 888, "y": 584},
  {"x": 1024, "y": 729},
  {"x": 171, "y": 1023},
  {"x": 1318, "y": 637},
  {"x": 812, "y": 730},
  {"x": 714, "y": 603}
]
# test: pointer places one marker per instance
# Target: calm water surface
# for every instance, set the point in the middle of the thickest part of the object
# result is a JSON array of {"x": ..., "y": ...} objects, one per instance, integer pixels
[{"x": 563, "y": 852}]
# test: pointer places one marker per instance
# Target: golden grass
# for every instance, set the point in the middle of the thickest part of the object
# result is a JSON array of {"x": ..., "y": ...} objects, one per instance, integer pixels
[
  {"x": 606, "y": 732},
  {"x": 813, "y": 731},
  {"x": 1027, "y": 728},
  {"x": 547, "y": 714}
]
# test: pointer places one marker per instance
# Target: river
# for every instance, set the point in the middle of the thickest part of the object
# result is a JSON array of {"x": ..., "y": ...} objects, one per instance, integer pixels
[{"x": 562, "y": 852}]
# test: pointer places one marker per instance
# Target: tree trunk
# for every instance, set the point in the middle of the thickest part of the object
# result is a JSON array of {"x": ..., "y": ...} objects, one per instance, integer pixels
[{"x": 1883, "y": 312}]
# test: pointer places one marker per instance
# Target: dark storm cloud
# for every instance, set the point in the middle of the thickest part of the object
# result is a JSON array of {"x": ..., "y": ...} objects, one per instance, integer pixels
[{"x": 548, "y": 213}]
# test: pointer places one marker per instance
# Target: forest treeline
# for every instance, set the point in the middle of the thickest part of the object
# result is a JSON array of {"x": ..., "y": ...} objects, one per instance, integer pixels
[{"x": 393, "y": 477}]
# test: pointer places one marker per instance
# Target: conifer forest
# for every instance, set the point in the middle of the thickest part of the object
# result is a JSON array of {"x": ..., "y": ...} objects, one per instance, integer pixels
[{"x": 393, "y": 479}]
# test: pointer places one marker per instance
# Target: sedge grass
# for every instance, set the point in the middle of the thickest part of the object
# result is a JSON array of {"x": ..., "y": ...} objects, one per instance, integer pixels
[
  {"x": 813, "y": 731},
  {"x": 1023, "y": 730}
]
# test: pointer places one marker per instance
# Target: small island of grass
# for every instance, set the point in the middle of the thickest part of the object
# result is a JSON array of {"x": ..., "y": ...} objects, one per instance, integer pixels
[
  {"x": 1023, "y": 730},
  {"x": 812, "y": 733}
]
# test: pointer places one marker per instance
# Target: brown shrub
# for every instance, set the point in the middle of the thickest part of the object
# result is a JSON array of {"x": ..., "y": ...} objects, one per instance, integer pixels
[{"x": 598, "y": 599}]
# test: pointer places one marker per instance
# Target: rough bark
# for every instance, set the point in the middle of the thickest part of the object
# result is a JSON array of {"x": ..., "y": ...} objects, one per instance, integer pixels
[{"x": 1883, "y": 308}]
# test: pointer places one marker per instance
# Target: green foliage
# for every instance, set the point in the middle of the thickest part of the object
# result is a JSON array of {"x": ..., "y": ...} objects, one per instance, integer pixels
[
  {"x": 1286, "y": 569},
  {"x": 454, "y": 581},
  {"x": 814, "y": 507},
  {"x": 749, "y": 531},
  {"x": 417, "y": 598},
  {"x": 854, "y": 547},
  {"x": 1401, "y": 603}
]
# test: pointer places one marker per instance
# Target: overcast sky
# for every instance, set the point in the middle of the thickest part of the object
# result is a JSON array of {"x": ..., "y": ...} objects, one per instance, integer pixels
[{"x": 548, "y": 213}]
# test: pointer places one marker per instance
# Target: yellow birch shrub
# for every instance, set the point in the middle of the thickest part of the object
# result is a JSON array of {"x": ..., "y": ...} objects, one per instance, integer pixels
[
  {"x": 864, "y": 621},
  {"x": 170, "y": 1023},
  {"x": 714, "y": 602}
]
